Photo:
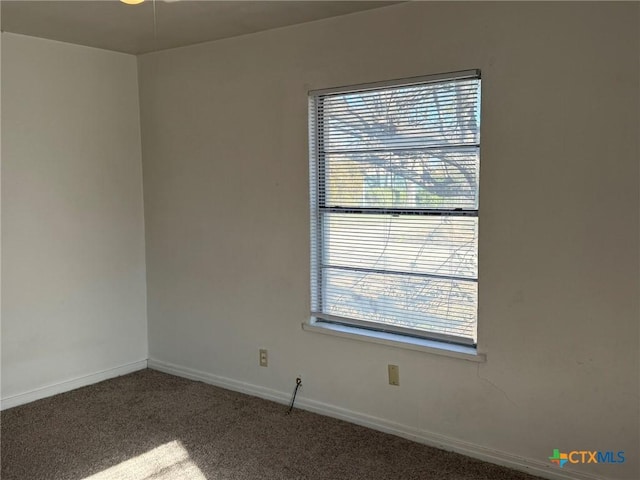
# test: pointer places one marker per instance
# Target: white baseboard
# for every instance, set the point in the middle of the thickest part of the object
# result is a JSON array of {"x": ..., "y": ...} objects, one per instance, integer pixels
[
  {"x": 528, "y": 465},
  {"x": 67, "y": 385},
  {"x": 219, "y": 381}
]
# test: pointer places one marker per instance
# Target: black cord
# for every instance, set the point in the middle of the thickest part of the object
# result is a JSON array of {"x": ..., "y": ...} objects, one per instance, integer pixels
[{"x": 295, "y": 392}]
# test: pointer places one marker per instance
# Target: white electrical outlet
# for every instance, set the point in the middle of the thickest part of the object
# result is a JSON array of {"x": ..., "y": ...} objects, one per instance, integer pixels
[{"x": 264, "y": 359}]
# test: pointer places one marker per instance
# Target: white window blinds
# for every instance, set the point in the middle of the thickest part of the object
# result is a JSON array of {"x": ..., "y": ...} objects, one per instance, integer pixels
[{"x": 394, "y": 205}]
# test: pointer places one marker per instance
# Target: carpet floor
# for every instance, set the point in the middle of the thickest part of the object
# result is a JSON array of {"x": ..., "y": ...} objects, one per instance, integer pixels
[{"x": 153, "y": 426}]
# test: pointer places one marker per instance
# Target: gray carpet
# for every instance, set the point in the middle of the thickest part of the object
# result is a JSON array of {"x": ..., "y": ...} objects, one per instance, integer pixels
[{"x": 153, "y": 426}]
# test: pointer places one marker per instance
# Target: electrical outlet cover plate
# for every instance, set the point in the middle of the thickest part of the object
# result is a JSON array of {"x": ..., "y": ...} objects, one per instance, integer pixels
[
  {"x": 394, "y": 375},
  {"x": 264, "y": 359}
]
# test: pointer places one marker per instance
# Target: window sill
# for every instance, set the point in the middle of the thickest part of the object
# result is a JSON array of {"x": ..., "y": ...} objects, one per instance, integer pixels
[{"x": 394, "y": 340}]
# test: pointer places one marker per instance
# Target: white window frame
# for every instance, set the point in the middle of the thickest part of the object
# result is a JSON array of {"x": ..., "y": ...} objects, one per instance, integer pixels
[{"x": 379, "y": 333}]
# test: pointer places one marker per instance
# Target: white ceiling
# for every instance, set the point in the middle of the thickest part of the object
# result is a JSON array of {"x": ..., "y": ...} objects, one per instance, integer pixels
[{"x": 115, "y": 26}]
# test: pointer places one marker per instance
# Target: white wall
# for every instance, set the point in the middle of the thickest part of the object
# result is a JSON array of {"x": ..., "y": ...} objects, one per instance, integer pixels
[
  {"x": 0, "y": 207},
  {"x": 74, "y": 293},
  {"x": 227, "y": 227}
]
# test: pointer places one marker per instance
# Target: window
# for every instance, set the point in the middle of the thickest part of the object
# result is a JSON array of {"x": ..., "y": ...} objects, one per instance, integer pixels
[{"x": 394, "y": 206}]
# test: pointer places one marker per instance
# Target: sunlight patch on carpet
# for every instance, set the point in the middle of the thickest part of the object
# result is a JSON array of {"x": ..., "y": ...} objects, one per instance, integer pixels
[{"x": 170, "y": 461}]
